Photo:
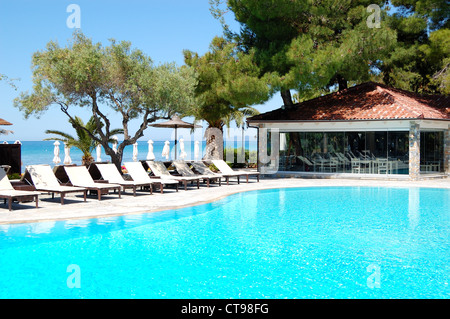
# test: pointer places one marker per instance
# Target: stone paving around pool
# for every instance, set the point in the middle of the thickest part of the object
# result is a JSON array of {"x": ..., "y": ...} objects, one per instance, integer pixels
[{"x": 110, "y": 205}]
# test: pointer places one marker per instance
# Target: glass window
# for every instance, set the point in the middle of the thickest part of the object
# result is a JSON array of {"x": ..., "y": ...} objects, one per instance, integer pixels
[
  {"x": 334, "y": 152},
  {"x": 291, "y": 147},
  {"x": 431, "y": 152},
  {"x": 356, "y": 152},
  {"x": 398, "y": 152}
]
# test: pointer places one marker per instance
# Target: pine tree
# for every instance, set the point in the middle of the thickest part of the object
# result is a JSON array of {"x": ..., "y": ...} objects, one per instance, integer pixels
[{"x": 310, "y": 46}]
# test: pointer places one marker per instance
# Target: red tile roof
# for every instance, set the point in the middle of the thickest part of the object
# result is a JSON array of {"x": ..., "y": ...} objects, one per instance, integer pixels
[{"x": 367, "y": 101}]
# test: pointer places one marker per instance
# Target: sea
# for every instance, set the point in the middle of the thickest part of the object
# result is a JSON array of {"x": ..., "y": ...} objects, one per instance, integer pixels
[{"x": 42, "y": 152}]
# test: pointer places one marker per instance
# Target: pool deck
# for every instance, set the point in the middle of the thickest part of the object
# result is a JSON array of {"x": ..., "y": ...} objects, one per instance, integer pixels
[{"x": 110, "y": 205}]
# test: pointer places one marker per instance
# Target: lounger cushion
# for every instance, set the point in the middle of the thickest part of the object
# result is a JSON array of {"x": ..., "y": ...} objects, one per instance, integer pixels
[
  {"x": 44, "y": 179},
  {"x": 79, "y": 176},
  {"x": 139, "y": 175}
]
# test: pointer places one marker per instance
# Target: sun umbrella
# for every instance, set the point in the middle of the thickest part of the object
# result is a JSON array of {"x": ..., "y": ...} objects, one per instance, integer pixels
[
  {"x": 196, "y": 150},
  {"x": 4, "y": 122},
  {"x": 175, "y": 123},
  {"x": 183, "y": 154},
  {"x": 99, "y": 152},
  {"x": 114, "y": 147},
  {"x": 150, "y": 155},
  {"x": 67, "y": 159},
  {"x": 166, "y": 150},
  {"x": 56, "y": 159},
  {"x": 6, "y": 132},
  {"x": 135, "y": 152}
]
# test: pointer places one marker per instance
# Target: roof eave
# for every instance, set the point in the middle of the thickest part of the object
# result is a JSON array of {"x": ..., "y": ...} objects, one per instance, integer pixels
[{"x": 350, "y": 120}]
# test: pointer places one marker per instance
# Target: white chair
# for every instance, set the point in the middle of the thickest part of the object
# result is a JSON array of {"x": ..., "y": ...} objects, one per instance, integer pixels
[
  {"x": 44, "y": 180},
  {"x": 161, "y": 171},
  {"x": 110, "y": 173},
  {"x": 308, "y": 162},
  {"x": 140, "y": 175},
  {"x": 183, "y": 168},
  {"x": 7, "y": 191},
  {"x": 79, "y": 176},
  {"x": 382, "y": 165},
  {"x": 225, "y": 169},
  {"x": 356, "y": 166}
]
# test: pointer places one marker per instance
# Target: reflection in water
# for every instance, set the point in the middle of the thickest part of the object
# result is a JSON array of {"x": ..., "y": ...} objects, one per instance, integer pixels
[
  {"x": 4, "y": 228},
  {"x": 82, "y": 223},
  {"x": 282, "y": 199},
  {"x": 42, "y": 228},
  {"x": 413, "y": 208}
]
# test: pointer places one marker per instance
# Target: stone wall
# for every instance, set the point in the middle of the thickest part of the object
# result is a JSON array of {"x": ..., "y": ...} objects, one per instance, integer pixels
[
  {"x": 447, "y": 151},
  {"x": 414, "y": 151}
]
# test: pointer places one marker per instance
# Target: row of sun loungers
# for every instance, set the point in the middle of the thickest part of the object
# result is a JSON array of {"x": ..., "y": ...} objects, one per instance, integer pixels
[{"x": 80, "y": 179}]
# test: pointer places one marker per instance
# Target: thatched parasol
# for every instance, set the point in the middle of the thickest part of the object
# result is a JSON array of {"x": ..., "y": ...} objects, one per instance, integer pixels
[
  {"x": 175, "y": 123},
  {"x": 4, "y": 122}
]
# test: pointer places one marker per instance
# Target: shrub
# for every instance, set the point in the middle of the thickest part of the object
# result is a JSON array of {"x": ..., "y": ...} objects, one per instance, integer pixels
[
  {"x": 247, "y": 156},
  {"x": 14, "y": 176}
]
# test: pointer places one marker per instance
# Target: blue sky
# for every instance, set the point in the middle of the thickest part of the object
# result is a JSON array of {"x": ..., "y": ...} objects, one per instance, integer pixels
[{"x": 162, "y": 29}]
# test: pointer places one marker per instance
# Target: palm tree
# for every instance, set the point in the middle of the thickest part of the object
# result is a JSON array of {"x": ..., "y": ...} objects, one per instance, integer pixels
[
  {"x": 239, "y": 116},
  {"x": 83, "y": 141},
  {"x": 229, "y": 82}
]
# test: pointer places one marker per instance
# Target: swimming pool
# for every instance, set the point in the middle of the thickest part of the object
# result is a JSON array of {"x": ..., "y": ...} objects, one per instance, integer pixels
[{"x": 327, "y": 242}]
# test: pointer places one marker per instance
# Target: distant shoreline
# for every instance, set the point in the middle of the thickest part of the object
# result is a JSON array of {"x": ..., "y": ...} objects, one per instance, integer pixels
[{"x": 42, "y": 152}]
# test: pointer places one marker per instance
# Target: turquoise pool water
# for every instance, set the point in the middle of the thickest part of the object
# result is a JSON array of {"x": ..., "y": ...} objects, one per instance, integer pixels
[{"x": 341, "y": 242}]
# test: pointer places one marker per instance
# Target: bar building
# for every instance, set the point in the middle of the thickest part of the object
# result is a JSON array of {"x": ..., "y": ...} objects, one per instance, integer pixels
[{"x": 366, "y": 130}]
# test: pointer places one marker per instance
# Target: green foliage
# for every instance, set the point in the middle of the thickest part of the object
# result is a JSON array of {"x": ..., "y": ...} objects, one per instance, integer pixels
[
  {"x": 420, "y": 61},
  {"x": 249, "y": 156},
  {"x": 101, "y": 79},
  {"x": 83, "y": 140},
  {"x": 228, "y": 83},
  {"x": 14, "y": 176},
  {"x": 213, "y": 168},
  {"x": 310, "y": 46},
  {"x": 436, "y": 12},
  {"x": 9, "y": 81}
]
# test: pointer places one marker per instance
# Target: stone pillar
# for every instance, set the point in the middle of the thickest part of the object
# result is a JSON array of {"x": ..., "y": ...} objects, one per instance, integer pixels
[
  {"x": 447, "y": 151},
  {"x": 414, "y": 151},
  {"x": 262, "y": 148}
]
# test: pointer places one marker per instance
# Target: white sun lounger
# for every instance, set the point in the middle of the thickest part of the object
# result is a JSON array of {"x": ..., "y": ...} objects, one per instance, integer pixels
[
  {"x": 161, "y": 171},
  {"x": 45, "y": 180},
  {"x": 225, "y": 169},
  {"x": 200, "y": 167},
  {"x": 110, "y": 173},
  {"x": 7, "y": 191},
  {"x": 183, "y": 168},
  {"x": 79, "y": 176},
  {"x": 139, "y": 175}
]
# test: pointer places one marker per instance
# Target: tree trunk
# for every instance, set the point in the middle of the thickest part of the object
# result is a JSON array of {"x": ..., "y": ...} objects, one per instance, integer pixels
[
  {"x": 116, "y": 158},
  {"x": 342, "y": 82},
  {"x": 287, "y": 98},
  {"x": 87, "y": 160},
  {"x": 214, "y": 143}
]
